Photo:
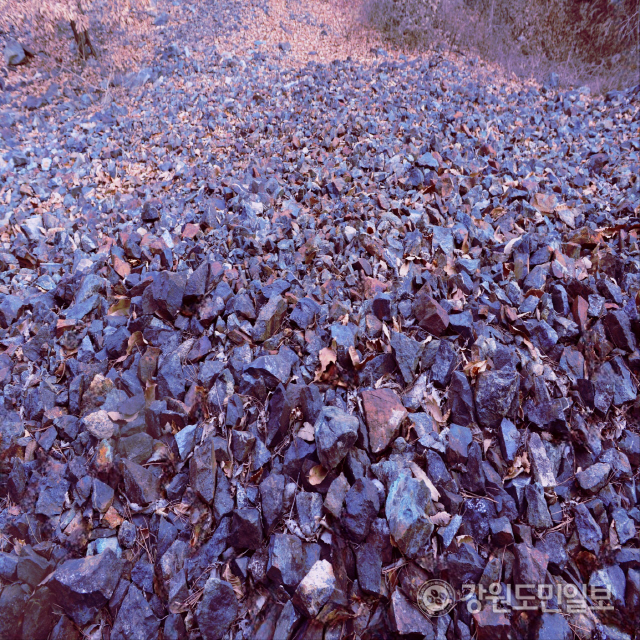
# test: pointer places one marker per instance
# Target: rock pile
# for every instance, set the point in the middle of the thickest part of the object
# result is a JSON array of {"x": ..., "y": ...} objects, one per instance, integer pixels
[{"x": 265, "y": 383}]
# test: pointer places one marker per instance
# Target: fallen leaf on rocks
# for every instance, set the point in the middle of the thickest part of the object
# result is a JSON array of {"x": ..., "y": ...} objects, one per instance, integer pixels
[
  {"x": 534, "y": 351},
  {"x": 234, "y": 581},
  {"x": 307, "y": 432},
  {"x": 355, "y": 358},
  {"x": 317, "y": 475},
  {"x": 162, "y": 233},
  {"x": 441, "y": 519},
  {"x": 421, "y": 475},
  {"x": 120, "y": 308},
  {"x": 136, "y": 339},
  {"x": 473, "y": 369},
  {"x": 327, "y": 357},
  {"x": 520, "y": 465},
  {"x": 150, "y": 393},
  {"x": 29, "y": 450}
]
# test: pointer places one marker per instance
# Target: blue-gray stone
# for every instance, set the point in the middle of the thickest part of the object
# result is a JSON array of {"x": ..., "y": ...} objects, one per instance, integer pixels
[{"x": 406, "y": 509}]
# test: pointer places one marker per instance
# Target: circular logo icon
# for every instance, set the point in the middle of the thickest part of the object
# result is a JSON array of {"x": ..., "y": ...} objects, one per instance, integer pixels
[{"x": 436, "y": 598}]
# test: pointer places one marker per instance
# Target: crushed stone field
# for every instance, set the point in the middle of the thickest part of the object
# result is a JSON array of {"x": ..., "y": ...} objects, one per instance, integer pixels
[{"x": 303, "y": 339}]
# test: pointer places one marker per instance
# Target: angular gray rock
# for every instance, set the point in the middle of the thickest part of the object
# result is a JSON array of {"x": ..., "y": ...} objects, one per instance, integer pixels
[
  {"x": 246, "y": 528},
  {"x": 553, "y": 626},
  {"x": 285, "y": 564},
  {"x": 542, "y": 469},
  {"x": 83, "y": 586},
  {"x": 407, "y": 618},
  {"x": 309, "y": 510},
  {"x": 593, "y": 478},
  {"x": 141, "y": 484},
  {"x": 285, "y": 626},
  {"x": 336, "y": 495},
  {"x": 336, "y": 432},
  {"x": 494, "y": 395},
  {"x": 272, "y": 496},
  {"x": 407, "y": 511},
  {"x": 135, "y": 619},
  {"x": 217, "y": 609},
  {"x": 315, "y": 589},
  {"x": 14, "y": 53},
  {"x": 361, "y": 506},
  {"x": 407, "y": 352},
  {"x": 538, "y": 514},
  {"x": 458, "y": 443},
  {"x": 269, "y": 318},
  {"x": 509, "y": 439},
  {"x": 461, "y": 401},
  {"x": 588, "y": 530},
  {"x": 202, "y": 475},
  {"x": 612, "y": 580}
]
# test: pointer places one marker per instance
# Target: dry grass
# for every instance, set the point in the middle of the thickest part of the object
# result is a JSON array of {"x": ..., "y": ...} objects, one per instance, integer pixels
[{"x": 594, "y": 42}]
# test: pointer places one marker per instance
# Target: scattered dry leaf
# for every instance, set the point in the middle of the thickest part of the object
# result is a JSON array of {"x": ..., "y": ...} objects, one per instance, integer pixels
[
  {"x": 421, "y": 475},
  {"x": 136, "y": 339},
  {"x": 441, "y": 519},
  {"x": 520, "y": 465},
  {"x": 307, "y": 432},
  {"x": 120, "y": 308},
  {"x": 327, "y": 357},
  {"x": 614, "y": 540},
  {"x": 473, "y": 369},
  {"x": 317, "y": 475},
  {"x": 234, "y": 581}
]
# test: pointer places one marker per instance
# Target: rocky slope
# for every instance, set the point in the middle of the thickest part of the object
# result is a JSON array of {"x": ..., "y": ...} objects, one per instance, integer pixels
[{"x": 281, "y": 342}]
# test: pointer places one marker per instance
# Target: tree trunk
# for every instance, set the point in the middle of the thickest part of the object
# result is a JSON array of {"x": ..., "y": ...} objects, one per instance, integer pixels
[{"x": 85, "y": 48}]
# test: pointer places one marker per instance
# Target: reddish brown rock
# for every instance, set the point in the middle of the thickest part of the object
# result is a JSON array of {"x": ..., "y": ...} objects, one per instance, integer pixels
[
  {"x": 491, "y": 625},
  {"x": 372, "y": 286},
  {"x": 190, "y": 230},
  {"x": 579, "y": 309},
  {"x": 586, "y": 237},
  {"x": 430, "y": 315},
  {"x": 384, "y": 414}
]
